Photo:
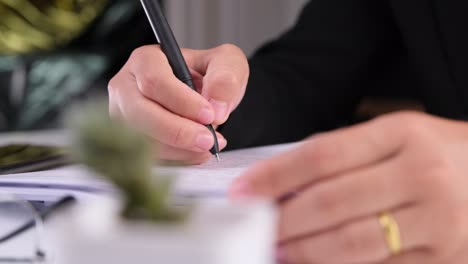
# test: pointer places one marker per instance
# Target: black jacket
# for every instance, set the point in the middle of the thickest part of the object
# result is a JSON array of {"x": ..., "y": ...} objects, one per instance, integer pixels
[{"x": 312, "y": 78}]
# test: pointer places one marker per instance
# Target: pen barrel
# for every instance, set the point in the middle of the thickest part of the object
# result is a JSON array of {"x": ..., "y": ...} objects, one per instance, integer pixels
[
  {"x": 189, "y": 82},
  {"x": 215, "y": 149},
  {"x": 167, "y": 40},
  {"x": 171, "y": 49}
]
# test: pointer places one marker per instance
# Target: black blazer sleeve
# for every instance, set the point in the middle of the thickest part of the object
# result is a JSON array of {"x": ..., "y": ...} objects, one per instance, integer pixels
[{"x": 312, "y": 77}]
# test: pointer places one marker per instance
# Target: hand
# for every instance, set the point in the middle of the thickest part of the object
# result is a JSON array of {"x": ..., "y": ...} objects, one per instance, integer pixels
[
  {"x": 148, "y": 95},
  {"x": 411, "y": 165}
]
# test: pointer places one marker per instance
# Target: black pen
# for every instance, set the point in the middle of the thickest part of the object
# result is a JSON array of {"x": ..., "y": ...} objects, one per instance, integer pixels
[{"x": 171, "y": 49}]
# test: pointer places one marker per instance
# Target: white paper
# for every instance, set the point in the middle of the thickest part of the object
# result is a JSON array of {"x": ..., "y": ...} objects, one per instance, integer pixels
[
  {"x": 50, "y": 185},
  {"x": 211, "y": 180}
]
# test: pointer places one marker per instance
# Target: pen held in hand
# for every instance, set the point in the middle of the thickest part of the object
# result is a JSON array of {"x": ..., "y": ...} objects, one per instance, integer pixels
[{"x": 171, "y": 49}]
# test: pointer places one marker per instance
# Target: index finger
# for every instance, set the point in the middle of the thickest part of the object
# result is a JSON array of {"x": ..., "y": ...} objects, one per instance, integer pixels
[
  {"x": 154, "y": 78},
  {"x": 323, "y": 156}
]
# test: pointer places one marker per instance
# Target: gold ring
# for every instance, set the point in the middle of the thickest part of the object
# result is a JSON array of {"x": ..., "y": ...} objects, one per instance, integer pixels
[{"x": 392, "y": 232}]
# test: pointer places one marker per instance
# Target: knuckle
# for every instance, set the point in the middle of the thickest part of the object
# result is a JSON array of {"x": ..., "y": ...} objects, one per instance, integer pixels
[
  {"x": 150, "y": 54},
  {"x": 318, "y": 152},
  {"x": 437, "y": 177},
  {"x": 327, "y": 203},
  {"x": 179, "y": 138},
  {"x": 229, "y": 48},
  {"x": 138, "y": 53},
  {"x": 411, "y": 123},
  {"x": 271, "y": 182},
  {"x": 113, "y": 97},
  {"x": 349, "y": 243},
  {"x": 407, "y": 128},
  {"x": 353, "y": 243},
  {"x": 148, "y": 85},
  {"x": 402, "y": 116},
  {"x": 145, "y": 51},
  {"x": 112, "y": 85}
]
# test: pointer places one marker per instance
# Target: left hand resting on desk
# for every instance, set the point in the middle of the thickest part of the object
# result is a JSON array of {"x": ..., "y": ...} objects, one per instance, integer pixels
[{"x": 411, "y": 165}]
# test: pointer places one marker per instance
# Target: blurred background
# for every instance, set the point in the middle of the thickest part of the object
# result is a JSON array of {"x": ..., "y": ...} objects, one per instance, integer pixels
[
  {"x": 247, "y": 23},
  {"x": 54, "y": 53}
]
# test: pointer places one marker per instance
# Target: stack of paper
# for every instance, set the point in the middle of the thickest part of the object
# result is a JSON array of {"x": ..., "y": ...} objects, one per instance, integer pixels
[
  {"x": 52, "y": 184},
  {"x": 213, "y": 178},
  {"x": 209, "y": 180}
]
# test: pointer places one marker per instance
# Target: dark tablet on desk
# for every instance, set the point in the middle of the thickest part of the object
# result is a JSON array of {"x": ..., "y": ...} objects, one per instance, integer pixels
[{"x": 20, "y": 158}]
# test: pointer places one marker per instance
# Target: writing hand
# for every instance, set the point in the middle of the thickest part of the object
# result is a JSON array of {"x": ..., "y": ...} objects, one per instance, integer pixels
[{"x": 148, "y": 95}]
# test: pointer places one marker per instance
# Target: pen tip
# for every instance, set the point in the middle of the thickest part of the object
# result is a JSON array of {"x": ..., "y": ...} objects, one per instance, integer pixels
[{"x": 217, "y": 156}]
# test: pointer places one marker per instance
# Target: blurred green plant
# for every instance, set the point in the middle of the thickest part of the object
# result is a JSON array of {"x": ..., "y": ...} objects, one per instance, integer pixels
[{"x": 124, "y": 156}]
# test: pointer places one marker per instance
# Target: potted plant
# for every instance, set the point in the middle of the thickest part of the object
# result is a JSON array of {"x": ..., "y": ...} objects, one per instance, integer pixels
[{"x": 142, "y": 225}]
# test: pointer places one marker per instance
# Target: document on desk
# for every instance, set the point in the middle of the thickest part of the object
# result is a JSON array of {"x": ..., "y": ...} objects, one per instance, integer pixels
[
  {"x": 210, "y": 180},
  {"x": 50, "y": 185}
]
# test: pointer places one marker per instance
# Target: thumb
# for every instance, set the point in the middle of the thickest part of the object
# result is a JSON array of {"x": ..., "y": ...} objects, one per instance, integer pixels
[
  {"x": 225, "y": 73},
  {"x": 223, "y": 90}
]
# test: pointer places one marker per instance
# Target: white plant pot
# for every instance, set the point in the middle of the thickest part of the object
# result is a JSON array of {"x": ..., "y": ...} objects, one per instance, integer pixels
[{"x": 94, "y": 233}]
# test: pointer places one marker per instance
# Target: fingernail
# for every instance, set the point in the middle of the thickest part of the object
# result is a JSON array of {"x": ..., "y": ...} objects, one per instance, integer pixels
[
  {"x": 240, "y": 189},
  {"x": 206, "y": 116},
  {"x": 205, "y": 141},
  {"x": 280, "y": 254},
  {"x": 221, "y": 109}
]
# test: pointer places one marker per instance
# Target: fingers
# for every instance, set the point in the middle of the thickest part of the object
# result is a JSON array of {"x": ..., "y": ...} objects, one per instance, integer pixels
[
  {"x": 343, "y": 199},
  {"x": 160, "y": 85},
  {"x": 169, "y": 153},
  {"x": 322, "y": 157},
  {"x": 226, "y": 72},
  {"x": 160, "y": 124},
  {"x": 147, "y": 94},
  {"x": 362, "y": 241}
]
